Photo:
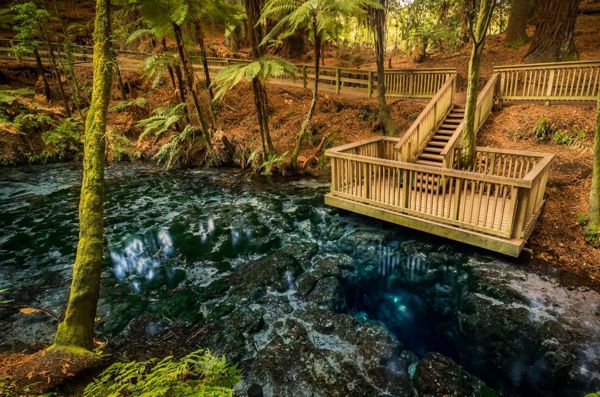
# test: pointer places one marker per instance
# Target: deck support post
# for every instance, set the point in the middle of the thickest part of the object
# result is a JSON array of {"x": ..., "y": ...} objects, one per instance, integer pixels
[
  {"x": 304, "y": 77},
  {"x": 337, "y": 81},
  {"x": 370, "y": 84}
]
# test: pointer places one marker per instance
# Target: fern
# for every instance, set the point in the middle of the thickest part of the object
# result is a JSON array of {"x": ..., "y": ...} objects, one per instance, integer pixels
[
  {"x": 178, "y": 148},
  {"x": 124, "y": 105},
  {"x": 263, "y": 68},
  {"x": 162, "y": 120},
  {"x": 197, "y": 374}
]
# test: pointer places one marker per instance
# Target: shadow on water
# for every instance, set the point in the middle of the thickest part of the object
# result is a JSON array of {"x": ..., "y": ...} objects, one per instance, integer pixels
[{"x": 173, "y": 239}]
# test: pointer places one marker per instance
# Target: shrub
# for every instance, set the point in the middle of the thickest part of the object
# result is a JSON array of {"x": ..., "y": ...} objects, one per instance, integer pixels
[
  {"x": 197, "y": 374},
  {"x": 64, "y": 138},
  {"x": 542, "y": 131},
  {"x": 28, "y": 123},
  {"x": 574, "y": 137}
]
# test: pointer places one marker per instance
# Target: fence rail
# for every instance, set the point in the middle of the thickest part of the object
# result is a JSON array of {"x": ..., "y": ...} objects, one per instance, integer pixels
[
  {"x": 502, "y": 197},
  {"x": 427, "y": 123},
  {"x": 485, "y": 103},
  {"x": 404, "y": 83},
  {"x": 561, "y": 81}
]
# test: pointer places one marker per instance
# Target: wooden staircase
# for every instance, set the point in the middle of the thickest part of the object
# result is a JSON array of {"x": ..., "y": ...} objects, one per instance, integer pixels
[{"x": 430, "y": 155}]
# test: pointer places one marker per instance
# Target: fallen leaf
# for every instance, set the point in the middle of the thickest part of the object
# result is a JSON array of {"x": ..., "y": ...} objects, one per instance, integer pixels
[{"x": 28, "y": 310}]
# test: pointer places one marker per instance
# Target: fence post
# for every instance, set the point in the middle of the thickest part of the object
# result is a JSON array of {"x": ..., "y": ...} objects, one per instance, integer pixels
[
  {"x": 304, "y": 78},
  {"x": 337, "y": 81},
  {"x": 550, "y": 87},
  {"x": 370, "y": 85}
]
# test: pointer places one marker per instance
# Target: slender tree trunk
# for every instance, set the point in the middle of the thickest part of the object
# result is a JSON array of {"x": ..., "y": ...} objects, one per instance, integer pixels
[
  {"x": 200, "y": 38},
  {"x": 120, "y": 81},
  {"x": 169, "y": 68},
  {"x": 379, "y": 25},
  {"x": 57, "y": 77},
  {"x": 181, "y": 90},
  {"x": 516, "y": 32},
  {"x": 42, "y": 73},
  {"x": 306, "y": 124},
  {"x": 553, "y": 39},
  {"x": 467, "y": 7},
  {"x": 189, "y": 80},
  {"x": 484, "y": 16},
  {"x": 594, "y": 221},
  {"x": 255, "y": 35},
  {"x": 76, "y": 331}
]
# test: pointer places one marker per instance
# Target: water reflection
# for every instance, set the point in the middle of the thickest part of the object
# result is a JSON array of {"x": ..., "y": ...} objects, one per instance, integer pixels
[{"x": 141, "y": 258}]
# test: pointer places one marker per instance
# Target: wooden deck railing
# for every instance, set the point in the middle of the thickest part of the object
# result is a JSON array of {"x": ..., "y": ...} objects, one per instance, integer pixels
[
  {"x": 485, "y": 103},
  {"x": 561, "y": 81},
  {"x": 405, "y": 83},
  {"x": 427, "y": 123},
  {"x": 502, "y": 198}
]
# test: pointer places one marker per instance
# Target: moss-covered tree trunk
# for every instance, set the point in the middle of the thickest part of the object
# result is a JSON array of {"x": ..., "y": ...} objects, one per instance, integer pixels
[
  {"x": 594, "y": 221},
  {"x": 516, "y": 32},
  {"x": 255, "y": 35},
  {"x": 554, "y": 35},
  {"x": 379, "y": 17},
  {"x": 42, "y": 73},
  {"x": 76, "y": 330},
  {"x": 307, "y": 123},
  {"x": 478, "y": 35}
]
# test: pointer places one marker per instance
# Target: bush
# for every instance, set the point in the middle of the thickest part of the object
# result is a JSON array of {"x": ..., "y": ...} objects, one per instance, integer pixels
[
  {"x": 197, "y": 374},
  {"x": 574, "y": 137},
  {"x": 543, "y": 130},
  {"x": 63, "y": 139}
]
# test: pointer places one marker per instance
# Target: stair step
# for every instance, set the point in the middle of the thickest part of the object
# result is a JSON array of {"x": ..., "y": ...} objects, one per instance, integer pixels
[
  {"x": 429, "y": 156},
  {"x": 452, "y": 121},
  {"x": 440, "y": 138},
  {"x": 427, "y": 162},
  {"x": 437, "y": 143},
  {"x": 445, "y": 131},
  {"x": 449, "y": 127},
  {"x": 432, "y": 149}
]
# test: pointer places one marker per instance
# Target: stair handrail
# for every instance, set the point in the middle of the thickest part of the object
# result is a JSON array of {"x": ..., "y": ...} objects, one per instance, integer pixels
[
  {"x": 485, "y": 103},
  {"x": 422, "y": 128}
]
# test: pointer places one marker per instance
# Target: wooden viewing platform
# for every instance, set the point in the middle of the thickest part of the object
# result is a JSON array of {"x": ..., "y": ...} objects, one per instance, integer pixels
[{"x": 417, "y": 181}]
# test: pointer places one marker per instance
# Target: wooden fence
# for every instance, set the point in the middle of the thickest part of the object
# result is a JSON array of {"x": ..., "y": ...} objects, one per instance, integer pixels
[
  {"x": 502, "y": 200},
  {"x": 561, "y": 81},
  {"x": 404, "y": 83},
  {"x": 428, "y": 122}
]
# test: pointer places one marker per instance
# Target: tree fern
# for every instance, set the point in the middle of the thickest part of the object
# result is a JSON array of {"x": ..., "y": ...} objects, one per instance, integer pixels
[
  {"x": 263, "y": 68},
  {"x": 162, "y": 120}
]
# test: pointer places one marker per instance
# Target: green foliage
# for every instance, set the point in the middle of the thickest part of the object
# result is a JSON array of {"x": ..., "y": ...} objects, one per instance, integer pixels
[
  {"x": 162, "y": 120},
  {"x": 263, "y": 68},
  {"x": 178, "y": 148},
  {"x": 8, "y": 97},
  {"x": 197, "y": 374},
  {"x": 4, "y": 301},
  {"x": 596, "y": 394},
  {"x": 120, "y": 147},
  {"x": 63, "y": 139},
  {"x": 543, "y": 130},
  {"x": 573, "y": 138},
  {"x": 6, "y": 18},
  {"x": 28, "y": 123},
  {"x": 139, "y": 102},
  {"x": 318, "y": 16},
  {"x": 29, "y": 21},
  {"x": 271, "y": 163}
]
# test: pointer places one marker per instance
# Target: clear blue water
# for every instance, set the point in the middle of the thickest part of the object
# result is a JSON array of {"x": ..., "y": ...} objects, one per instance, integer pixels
[{"x": 169, "y": 234}]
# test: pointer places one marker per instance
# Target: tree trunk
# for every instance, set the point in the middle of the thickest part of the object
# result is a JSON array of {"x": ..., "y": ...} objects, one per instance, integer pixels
[
  {"x": 484, "y": 16},
  {"x": 255, "y": 35},
  {"x": 306, "y": 124},
  {"x": 42, "y": 73},
  {"x": 379, "y": 26},
  {"x": 57, "y": 78},
  {"x": 169, "y": 68},
  {"x": 120, "y": 81},
  {"x": 516, "y": 32},
  {"x": 594, "y": 221},
  {"x": 553, "y": 39},
  {"x": 189, "y": 80},
  {"x": 77, "y": 328},
  {"x": 200, "y": 38}
]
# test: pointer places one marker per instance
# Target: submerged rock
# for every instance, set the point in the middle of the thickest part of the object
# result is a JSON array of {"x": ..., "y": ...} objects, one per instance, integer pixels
[{"x": 437, "y": 375}]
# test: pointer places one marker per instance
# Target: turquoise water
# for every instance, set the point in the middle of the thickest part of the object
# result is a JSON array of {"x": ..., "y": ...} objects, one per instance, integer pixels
[{"x": 173, "y": 239}]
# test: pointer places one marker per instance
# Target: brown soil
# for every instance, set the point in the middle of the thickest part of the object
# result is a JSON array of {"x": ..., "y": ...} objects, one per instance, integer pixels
[{"x": 558, "y": 239}]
